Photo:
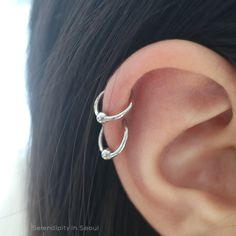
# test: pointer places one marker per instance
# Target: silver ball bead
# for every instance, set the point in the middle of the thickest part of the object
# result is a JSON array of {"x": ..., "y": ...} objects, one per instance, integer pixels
[
  {"x": 106, "y": 154},
  {"x": 101, "y": 117}
]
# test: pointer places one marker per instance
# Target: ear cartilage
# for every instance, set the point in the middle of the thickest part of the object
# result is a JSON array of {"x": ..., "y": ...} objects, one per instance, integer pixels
[{"x": 107, "y": 153}]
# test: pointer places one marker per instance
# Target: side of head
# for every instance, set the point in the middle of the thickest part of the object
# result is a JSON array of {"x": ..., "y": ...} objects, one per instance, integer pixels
[{"x": 176, "y": 63}]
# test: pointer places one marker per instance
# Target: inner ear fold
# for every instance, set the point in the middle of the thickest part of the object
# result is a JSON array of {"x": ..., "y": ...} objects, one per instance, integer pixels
[
  {"x": 198, "y": 159},
  {"x": 182, "y": 116},
  {"x": 188, "y": 96},
  {"x": 178, "y": 101}
]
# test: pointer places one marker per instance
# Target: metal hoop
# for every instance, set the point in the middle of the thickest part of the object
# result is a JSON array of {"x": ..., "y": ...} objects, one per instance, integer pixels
[
  {"x": 106, "y": 153},
  {"x": 103, "y": 117}
]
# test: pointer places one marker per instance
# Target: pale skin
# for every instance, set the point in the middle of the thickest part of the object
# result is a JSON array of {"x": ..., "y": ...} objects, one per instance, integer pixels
[{"x": 179, "y": 165}]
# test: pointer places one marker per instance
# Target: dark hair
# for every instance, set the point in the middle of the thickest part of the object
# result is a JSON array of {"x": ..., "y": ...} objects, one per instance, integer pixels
[{"x": 75, "y": 46}]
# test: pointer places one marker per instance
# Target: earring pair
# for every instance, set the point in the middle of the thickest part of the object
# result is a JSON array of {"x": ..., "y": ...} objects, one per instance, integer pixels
[{"x": 102, "y": 117}]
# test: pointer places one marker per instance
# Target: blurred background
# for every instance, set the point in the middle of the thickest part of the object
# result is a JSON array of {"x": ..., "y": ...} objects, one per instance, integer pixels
[{"x": 14, "y": 116}]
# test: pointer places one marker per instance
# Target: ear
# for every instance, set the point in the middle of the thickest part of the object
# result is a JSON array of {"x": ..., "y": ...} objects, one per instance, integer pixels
[{"x": 179, "y": 165}]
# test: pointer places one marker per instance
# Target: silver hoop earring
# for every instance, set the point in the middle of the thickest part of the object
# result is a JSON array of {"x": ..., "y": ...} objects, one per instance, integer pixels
[
  {"x": 106, "y": 153},
  {"x": 103, "y": 117}
]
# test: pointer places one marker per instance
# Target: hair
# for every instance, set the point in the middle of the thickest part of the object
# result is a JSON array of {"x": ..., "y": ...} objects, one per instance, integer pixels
[{"x": 74, "y": 48}]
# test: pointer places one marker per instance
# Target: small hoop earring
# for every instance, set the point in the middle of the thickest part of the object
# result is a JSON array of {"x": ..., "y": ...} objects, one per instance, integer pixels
[
  {"x": 106, "y": 153},
  {"x": 103, "y": 117}
]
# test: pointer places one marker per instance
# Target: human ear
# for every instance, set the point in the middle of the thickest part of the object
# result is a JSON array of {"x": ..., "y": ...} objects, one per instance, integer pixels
[{"x": 178, "y": 167}]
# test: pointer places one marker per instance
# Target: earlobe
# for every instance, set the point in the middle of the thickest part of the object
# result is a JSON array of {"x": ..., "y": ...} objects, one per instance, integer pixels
[{"x": 182, "y": 115}]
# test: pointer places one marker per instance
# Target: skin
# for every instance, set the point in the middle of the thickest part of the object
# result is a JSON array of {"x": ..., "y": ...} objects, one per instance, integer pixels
[{"x": 178, "y": 167}]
